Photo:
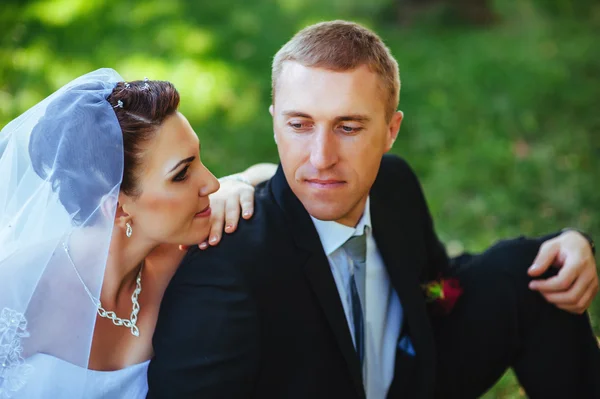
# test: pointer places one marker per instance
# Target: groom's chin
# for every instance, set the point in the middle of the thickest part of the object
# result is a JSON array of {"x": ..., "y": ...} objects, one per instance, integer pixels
[
  {"x": 325, "y": 211},
  {"x": 341, "y": 210}
]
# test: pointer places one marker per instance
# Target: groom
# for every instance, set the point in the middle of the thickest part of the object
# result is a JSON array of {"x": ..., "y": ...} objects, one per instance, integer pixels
[{"x": 320, "y": 294}]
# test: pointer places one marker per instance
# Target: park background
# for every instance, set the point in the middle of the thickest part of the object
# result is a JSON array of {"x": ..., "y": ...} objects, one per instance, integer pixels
[{"x": 500, "y": 97}]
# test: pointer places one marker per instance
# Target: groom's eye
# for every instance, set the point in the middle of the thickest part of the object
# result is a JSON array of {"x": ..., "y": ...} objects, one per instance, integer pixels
[
  {"x": 299, "y": 125},
  {"x": 350, "y": 129},
  {"x": 181, "y": 176}
]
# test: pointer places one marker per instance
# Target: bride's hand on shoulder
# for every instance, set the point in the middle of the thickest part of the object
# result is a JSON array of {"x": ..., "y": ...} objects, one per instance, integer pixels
[{"x": 234, "y": 198}]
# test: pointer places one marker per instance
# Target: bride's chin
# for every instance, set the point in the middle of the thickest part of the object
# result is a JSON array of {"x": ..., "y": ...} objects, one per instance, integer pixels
[{"x": 197, "y": 237}]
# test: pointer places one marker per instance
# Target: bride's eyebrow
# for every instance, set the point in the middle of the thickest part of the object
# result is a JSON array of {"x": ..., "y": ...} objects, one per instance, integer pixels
[{"x": 186, "y": 160}]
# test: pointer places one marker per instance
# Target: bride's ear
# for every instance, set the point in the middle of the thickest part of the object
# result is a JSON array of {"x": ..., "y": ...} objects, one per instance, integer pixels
[
  {"x": 107, "y": 205},
  {"x": 122, "y": 217}
]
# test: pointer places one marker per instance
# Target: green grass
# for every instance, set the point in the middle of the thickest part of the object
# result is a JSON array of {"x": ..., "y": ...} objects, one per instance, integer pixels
[{"x": 501, "y": 122}]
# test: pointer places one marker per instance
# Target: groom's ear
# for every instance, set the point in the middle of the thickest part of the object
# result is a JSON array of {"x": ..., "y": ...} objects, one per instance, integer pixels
[
  {"x": 394, "y": 128},
  {"x": 271, "y": 110}
]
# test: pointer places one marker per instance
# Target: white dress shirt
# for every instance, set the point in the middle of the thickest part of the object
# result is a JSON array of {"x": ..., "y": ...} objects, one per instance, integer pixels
[{"x": 383, "y": 313}]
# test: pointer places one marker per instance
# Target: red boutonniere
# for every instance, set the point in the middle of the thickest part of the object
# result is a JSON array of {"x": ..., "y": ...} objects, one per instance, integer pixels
[{"x": 443, "y": 293}]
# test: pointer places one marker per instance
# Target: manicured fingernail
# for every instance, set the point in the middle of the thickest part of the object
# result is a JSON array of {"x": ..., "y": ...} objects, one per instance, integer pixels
[
  {"x": 246, "y": 213},
  {"x": 203, "y": 245},
  {"x": 213, "y": 239},
  {"x": 229, "y": 227},
  {"x": 533, "y": 267}
]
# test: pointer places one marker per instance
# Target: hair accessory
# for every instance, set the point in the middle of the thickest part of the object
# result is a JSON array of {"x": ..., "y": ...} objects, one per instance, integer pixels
[
  {"x": 127, "y": 85},
  {"x": 119, "y": 104},
  {"x": 146, "y": 79}
]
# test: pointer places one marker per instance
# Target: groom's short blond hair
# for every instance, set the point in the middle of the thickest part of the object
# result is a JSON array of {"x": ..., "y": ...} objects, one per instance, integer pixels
[{"x": 342, "y": 46}]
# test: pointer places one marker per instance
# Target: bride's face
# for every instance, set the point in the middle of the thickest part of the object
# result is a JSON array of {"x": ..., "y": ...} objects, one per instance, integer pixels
[{"x": 173, "y": 207}]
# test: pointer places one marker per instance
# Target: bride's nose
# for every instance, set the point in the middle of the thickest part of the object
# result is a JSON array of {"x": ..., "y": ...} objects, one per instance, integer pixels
[{"x": 208, "y": 182}]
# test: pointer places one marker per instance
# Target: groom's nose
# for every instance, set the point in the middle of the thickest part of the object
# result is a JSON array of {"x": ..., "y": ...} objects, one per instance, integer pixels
[{"x": 323, "y": 151}]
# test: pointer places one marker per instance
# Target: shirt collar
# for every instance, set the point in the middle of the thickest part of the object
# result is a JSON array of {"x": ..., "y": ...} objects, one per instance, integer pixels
[{"x": 333, "y": 234}]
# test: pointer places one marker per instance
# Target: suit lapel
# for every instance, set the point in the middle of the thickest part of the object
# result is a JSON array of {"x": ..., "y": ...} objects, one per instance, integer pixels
[
  {"x": 392, "y": 230},
  {"x": 322, "y": 282},
  {"x": 318, "y": 273}
]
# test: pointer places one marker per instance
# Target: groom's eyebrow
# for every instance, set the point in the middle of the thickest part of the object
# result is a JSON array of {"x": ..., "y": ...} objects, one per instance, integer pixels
[
  {"x": 343, "y": 118},
  {"x": 296, "y": 114},
  {"x": 187, "y": 160},
  {"x": 354, "y": 117}
]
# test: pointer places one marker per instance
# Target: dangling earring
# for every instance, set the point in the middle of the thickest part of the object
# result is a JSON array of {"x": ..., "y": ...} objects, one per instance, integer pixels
[{"x": 129, "y": 230}]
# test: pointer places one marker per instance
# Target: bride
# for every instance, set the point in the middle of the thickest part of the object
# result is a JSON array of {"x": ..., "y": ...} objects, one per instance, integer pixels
[{"x": 100, "y": 183}]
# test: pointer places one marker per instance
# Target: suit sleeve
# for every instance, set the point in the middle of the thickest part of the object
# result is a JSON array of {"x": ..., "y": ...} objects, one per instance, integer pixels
[
  {"x": 206, "y": 338},
  {"x": 438, "y": 261}
]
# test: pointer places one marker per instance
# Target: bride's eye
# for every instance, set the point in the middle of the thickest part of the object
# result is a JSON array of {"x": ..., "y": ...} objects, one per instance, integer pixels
[{"x": 181, "y": 176}]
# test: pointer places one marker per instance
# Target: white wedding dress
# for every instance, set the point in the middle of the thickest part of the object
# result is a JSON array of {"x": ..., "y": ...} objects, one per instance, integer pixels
[
  {"x": 61, "y": 168},
  {"x": 52, "y": 378}
]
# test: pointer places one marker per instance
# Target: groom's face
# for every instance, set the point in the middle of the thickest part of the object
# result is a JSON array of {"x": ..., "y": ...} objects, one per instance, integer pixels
[{"x": 331, "y": 132}]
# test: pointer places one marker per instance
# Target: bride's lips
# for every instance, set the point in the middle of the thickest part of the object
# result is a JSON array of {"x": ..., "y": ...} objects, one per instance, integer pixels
[{"x": 204, "y": 213}]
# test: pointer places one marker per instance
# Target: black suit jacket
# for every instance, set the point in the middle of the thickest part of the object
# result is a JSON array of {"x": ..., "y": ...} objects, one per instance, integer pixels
[{"x": 260, "y": 315}]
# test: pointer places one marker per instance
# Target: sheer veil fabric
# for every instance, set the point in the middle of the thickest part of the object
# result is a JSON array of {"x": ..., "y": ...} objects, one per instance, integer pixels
[{"x": 61, "y": 165}]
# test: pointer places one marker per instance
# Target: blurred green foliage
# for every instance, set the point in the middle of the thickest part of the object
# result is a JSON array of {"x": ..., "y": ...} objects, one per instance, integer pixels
[{"x": 499, "y": 120}]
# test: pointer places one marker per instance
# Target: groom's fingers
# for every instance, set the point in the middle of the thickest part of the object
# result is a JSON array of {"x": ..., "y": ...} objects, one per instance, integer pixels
[
  {"x": 560, "y": 282},
  {"x": 545, "y": 258},
  {"x": 584, "y": 301},
  {"x": 578, "y": 299},
  {"x": 572, "y": 295}
]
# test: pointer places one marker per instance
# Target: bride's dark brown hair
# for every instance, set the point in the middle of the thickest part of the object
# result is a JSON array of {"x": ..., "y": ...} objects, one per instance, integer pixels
[
  {"x": 144, "y": 107},
  {"x": 63, "y": 152}
]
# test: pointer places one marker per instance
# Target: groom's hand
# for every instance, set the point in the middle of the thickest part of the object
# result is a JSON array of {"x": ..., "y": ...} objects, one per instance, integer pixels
[{"x": 576, "y": 284}]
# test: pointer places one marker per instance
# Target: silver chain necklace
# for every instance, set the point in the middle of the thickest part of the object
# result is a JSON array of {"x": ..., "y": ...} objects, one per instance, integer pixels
[{"x": 117, "y": 321}]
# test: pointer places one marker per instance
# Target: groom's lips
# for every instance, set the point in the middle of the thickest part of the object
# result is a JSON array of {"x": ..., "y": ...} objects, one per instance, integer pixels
[
  {"x": 203, "y": 213},
  {"x": 325, "y": 183}
]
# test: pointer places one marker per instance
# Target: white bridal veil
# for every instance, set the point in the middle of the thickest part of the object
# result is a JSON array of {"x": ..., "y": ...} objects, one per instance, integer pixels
[{"x": 61, "y": 165}]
